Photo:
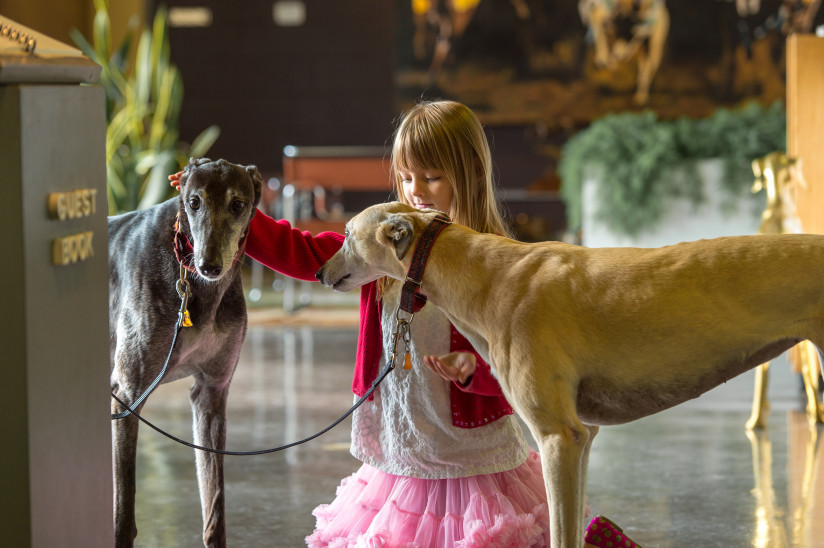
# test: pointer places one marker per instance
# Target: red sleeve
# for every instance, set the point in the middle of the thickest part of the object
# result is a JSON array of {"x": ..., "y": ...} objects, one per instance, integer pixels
[
  {"x": 297, "y": 254},
  {"x": 483, "y": 381}
]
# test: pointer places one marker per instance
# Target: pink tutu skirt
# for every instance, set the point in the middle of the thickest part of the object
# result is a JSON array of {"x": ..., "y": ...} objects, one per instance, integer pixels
[{"x": 373, "y": 509}]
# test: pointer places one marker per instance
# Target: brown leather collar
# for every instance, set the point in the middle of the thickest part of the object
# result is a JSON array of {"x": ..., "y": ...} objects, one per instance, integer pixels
[{"x": 411, "y": 299}]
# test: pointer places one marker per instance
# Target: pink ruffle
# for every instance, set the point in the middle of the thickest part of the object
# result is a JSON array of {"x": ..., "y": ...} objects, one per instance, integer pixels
[{"x": 373, "y": 509}]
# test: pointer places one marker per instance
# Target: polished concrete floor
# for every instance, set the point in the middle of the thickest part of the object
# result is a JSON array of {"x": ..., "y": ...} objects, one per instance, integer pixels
[{"x": 686, "y": 477}]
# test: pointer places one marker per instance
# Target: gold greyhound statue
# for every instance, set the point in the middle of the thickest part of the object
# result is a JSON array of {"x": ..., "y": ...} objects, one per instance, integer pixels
[{"x": 776, "y": 174}]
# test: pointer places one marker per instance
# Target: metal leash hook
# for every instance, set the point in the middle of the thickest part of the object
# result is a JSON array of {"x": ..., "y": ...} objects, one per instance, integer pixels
[
  {"x": 402, "y": 331},
  {"x": 183, "y": 289},
  {"x": 407, "y": 336}
]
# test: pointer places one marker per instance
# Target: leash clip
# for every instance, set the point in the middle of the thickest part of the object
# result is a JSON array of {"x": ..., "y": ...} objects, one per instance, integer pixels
[
  {"x": 402, "y": 331},
  {"x": 183, "y": 289}
]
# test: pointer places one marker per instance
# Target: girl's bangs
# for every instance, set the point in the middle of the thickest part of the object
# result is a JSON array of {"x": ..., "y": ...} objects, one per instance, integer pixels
[{"x": 416, "y": 151}]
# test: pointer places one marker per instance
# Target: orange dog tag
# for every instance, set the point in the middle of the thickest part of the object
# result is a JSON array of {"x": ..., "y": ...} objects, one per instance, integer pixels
[{"x": 407, "y": 362}]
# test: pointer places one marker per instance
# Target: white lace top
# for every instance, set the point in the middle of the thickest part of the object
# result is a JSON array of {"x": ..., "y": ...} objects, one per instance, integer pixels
[{"x": 406, "y": 430}]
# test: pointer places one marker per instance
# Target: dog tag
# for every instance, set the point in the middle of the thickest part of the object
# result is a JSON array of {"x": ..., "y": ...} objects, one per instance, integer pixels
[
  {"x": 407, "y": 362},
  {"x": 187, "y": 321}
]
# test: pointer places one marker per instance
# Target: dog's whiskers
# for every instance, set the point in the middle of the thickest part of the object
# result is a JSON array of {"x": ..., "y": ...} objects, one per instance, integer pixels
[{"x": 188, "y": 262}]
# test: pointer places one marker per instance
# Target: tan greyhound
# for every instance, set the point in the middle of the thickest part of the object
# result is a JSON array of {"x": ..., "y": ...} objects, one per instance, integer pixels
[{"x": 582, "y": 337}]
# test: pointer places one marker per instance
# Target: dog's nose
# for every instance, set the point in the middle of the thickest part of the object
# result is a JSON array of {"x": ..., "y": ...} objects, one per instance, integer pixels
[
  {"x": 209, "y": 269},
  {"x": 318, "y": 275}
]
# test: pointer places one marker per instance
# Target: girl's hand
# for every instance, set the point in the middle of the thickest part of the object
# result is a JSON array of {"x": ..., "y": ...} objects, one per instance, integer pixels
[
  {"x": 175, "y": 180},
  {"x": 455, "y": 366}
]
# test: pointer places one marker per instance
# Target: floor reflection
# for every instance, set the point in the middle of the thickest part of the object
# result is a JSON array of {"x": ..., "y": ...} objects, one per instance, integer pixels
[
  {"x": 689, "y": 476},
  {"x": 775, "y": 527},
  {"x": 806, "y": 495},
  {"x": 769, "y": 525}
]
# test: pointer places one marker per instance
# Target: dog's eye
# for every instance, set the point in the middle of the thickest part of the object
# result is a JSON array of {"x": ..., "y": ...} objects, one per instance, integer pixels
[
  {"x": 194, "y": 203},
  {"x": 345, "y": 232},
  {"x": 238, "y": 206}
]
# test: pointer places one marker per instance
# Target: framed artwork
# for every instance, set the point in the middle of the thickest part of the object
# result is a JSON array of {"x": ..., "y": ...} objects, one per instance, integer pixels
[
  {"x": 563, "y": 64},
  {"x": 539, "y": 71}
]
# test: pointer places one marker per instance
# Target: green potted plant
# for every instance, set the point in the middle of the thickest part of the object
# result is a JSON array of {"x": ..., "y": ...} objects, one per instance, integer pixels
[
  {"x": 143, "y": 103},
  {"x": 643, "y": 164}
]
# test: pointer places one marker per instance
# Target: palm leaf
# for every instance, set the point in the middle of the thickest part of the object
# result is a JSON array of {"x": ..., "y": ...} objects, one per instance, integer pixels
[
  {"x": 204, "y": 141},
  {"x": 143, "y": 104},
  {"x": 157, "y": 188}
]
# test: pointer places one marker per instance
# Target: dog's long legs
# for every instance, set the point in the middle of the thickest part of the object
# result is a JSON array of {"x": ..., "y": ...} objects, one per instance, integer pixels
[
  {"x": 209, "y": 410},
  {"x": 124, "y": 458},
  {"x": 562, "y": 460},
  {"x": 564, "y": 443},
  {"x": 593, "y": 431}
]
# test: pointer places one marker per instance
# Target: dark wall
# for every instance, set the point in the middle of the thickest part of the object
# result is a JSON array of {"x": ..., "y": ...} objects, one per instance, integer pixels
[{"x": 327, "y": 82}]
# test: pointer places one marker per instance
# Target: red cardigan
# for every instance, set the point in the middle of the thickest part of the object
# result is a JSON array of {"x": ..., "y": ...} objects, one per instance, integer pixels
[{"x": 297, "y": 254}]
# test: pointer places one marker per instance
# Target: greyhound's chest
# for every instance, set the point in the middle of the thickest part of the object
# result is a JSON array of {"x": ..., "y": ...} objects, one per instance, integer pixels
[
  {"x": 212, "y": 344},
  {"x": 218, "y": 309},
  {"x": 205, "y": 351}
]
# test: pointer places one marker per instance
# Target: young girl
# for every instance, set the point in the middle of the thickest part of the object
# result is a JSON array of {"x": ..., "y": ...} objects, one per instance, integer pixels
[{"x": 445, "y": 463}]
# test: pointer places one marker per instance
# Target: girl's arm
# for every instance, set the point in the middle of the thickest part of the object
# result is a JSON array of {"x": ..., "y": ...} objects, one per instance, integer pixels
[
  {"x": 297, "y": 254},
  {"x": 282, "y": 248}
]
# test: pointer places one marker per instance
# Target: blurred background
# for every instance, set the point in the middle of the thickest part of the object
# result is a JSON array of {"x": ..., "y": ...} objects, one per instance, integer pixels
[{"x": 329, "y": 79}]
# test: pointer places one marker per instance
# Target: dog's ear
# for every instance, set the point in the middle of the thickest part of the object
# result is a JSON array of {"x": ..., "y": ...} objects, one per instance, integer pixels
[
  {"x": 257, "y": 181},
  {"x": 398, "y": 230},
  {"x": 193, "y": 164}
]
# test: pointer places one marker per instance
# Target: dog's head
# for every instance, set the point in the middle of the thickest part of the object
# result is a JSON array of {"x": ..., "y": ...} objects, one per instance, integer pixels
[
  {"x": 377, "y": 244},
  {"x": 217, "y": 202}
]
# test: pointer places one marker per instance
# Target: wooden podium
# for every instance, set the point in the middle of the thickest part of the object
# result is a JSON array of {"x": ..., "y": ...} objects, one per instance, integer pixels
[
  {"x": 805, "y": 141},
  {"x": 805, "y": 124},
  {"x": 54, "y": 395}
]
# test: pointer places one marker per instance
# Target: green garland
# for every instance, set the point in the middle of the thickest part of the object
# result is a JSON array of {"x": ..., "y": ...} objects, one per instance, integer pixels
[{"x": 635, "y": 151}]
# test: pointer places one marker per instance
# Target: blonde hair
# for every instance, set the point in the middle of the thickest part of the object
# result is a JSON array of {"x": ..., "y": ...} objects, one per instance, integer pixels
[{"x": 447, "y": 136}]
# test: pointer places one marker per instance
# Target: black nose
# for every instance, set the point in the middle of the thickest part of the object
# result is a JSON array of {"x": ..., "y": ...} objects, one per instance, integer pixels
[
  {"x": 209, "y": 269},
  {"x": 318, "y": 274}
]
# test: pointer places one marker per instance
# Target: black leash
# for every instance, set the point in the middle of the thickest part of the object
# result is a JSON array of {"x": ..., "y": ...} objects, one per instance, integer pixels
[
  {"x": 138, "y": 401},
  {"x": 390, "y": 365},
  {"x": 411, "y": 302},
  {"x": 184, "y": 321}
]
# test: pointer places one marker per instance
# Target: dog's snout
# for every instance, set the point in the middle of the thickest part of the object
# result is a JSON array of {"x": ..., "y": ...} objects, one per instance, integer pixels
[
  {"x": 210, "y": 270},
  {"x": 319, "y": 275}
]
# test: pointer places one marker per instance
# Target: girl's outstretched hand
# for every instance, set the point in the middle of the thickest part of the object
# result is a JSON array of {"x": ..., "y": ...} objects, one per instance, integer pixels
[
  {"x": 175, "y": 180},
  {"x": 455, "y": 366}
]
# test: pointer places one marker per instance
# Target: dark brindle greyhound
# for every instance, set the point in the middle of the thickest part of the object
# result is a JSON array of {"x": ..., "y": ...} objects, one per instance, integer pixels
[{"x": 217, "y": 201}]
